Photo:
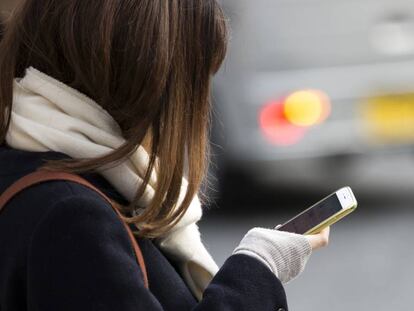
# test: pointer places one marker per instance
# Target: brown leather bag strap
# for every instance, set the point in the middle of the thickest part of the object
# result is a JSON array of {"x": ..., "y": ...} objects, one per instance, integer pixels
[{"x": 41, "y": 176}]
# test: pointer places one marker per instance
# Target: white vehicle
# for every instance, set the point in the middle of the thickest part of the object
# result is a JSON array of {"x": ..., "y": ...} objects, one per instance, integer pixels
[{"x": 317, "y": 94}]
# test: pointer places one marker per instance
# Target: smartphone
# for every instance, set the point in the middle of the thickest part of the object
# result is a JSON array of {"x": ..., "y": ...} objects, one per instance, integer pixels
[{"x": 322, "y": 214}]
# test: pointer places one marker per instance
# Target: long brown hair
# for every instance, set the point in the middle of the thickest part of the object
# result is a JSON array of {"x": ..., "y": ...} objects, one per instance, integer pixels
[{"x": 149, "y": 63}]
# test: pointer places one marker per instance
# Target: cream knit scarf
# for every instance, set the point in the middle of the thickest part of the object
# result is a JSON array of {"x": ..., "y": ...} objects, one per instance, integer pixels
[{"x": 48, "y": 115}]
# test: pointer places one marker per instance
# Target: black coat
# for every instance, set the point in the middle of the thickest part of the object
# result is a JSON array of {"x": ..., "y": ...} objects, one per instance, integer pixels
[{"x": 63, "y": 248}]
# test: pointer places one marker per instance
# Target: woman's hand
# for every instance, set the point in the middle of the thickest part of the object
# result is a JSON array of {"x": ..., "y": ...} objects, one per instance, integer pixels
[
  {"x": 319, "y": 240},
  {"x": 284, "y": 253}
]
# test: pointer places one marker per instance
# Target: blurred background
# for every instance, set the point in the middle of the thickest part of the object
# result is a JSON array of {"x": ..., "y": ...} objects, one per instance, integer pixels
[{"x": 316, "y": 95}]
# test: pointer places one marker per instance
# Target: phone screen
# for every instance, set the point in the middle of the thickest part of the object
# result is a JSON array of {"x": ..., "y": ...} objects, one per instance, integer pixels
[{"x": 313, "y": 216}]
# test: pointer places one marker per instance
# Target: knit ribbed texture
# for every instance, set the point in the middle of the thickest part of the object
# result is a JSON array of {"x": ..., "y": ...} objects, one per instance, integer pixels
[{"x": 284, "y": 253}]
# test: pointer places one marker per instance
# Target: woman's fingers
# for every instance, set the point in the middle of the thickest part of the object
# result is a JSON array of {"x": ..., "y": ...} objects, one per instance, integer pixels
[{"x": 319, "y": 240}]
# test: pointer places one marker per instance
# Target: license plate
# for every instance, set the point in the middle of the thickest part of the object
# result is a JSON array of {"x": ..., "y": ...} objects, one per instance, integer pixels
[{"x": 389, "y": 118}]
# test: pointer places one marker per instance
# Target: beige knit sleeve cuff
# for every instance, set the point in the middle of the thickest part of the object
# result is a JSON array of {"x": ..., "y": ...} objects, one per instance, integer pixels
[{"x": 284, "y": 253}]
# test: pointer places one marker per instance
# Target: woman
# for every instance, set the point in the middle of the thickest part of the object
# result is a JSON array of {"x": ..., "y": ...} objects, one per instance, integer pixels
[{"x": 118, "y": 92}]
